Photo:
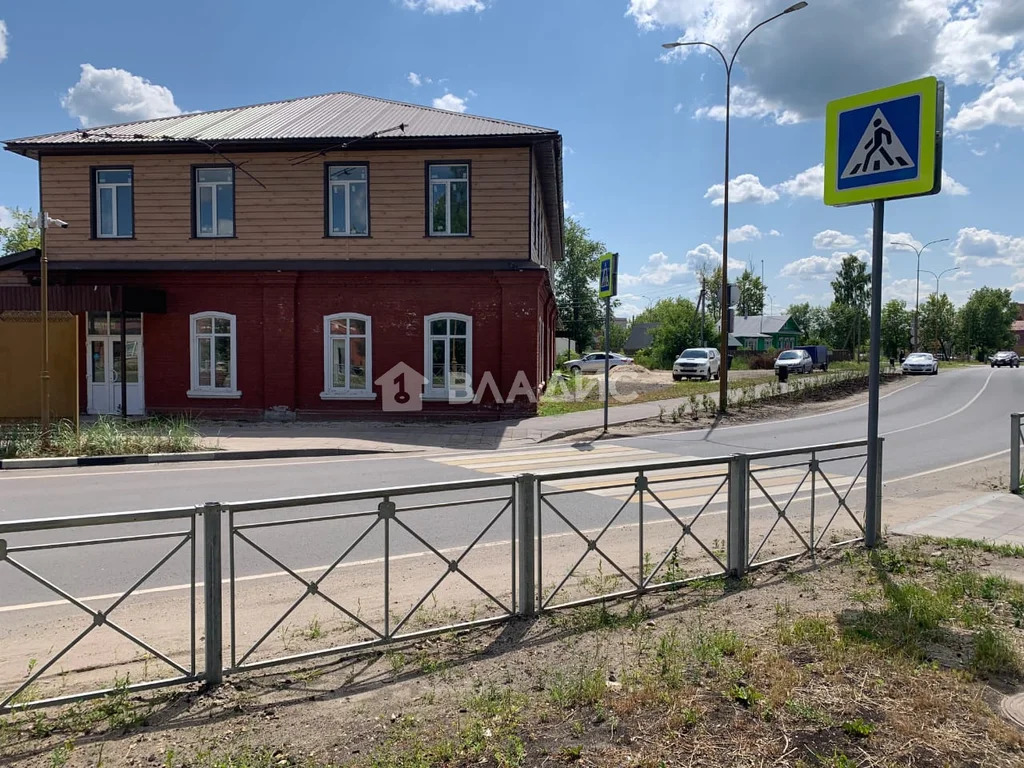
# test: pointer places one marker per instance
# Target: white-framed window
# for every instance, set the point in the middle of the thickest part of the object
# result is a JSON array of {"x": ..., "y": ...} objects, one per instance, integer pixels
[
  {"x": 751, "y": 344},
  {"x": 348, "y": 354},
  {"x": 215, "y": 201},
  {"x": 213, "y": 352},
  {"x": 448, "y": 194},
  {"x": 113, "y": 199},
  {"x": 448, "y": 355},
  {"x": 348, "y": 200}
]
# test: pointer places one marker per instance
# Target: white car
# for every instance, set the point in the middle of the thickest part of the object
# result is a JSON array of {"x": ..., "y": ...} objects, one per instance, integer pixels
[
  {"x": 594, "y": 362},
  {"x": 921, "y": 362},
  {"x": 697, "y": 363},
  {"x": 796, "y": 360}
]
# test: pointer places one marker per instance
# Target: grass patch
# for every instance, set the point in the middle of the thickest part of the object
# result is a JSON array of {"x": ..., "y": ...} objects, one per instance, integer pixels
[
  {"x": 990, "y": 547},
  {"x": 104, "y": 437},
  {"x": 994, "y": 654}
]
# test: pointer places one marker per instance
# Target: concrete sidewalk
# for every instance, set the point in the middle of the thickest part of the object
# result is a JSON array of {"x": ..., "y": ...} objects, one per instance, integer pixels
[
  {"x": 992, "y": 517},
  {"x": 394, "y": 436}
]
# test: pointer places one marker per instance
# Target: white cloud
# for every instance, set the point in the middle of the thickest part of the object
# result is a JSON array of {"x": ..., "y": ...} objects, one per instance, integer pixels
[
  {"x": 659, "y": 270},
  {"x": 6, "y": 219},
  {"x": 3, "y": 40},
  {"x": 904, "y": 288},
  {"x": 677, "y": 108},
  {"x": 1002, "y": 104},
  {"x": 744, "y": 233},
  {"x": 966, "y": 41},
  {"x": 951, "y": 186},
  {"x": 745, "y": 188},
  {"x": 450, "y": 102},
  {"x": 985, "y": 248},
  {"x": 747, "y": 103},
  {"x": 830, "y": 239},
  {"x": 445, "y": 6},
  {"x": 105, "y": 96},
  {"x": 809, "y": 183},
  {"x": 414, "y": 80},
  {"x": 812, "y": 267},
  {"x": 705, "y": 254},
  {"x": 774, "y": 233}
]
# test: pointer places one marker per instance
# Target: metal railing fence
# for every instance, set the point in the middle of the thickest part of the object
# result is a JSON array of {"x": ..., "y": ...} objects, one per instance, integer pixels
[{"x": 567, "y": 538}]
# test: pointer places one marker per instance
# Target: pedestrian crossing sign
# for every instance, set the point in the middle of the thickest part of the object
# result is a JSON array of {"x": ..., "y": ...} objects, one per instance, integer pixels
[{"x": 884, "y": 144}]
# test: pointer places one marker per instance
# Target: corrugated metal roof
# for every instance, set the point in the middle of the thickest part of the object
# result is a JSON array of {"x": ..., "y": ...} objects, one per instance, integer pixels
[
  {"x": 753, "y": 326},
  {"x": 328, "y": 116}
]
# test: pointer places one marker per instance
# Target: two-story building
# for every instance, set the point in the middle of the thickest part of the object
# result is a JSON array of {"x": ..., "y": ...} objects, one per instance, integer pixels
[{"x": 337, "y": 255}]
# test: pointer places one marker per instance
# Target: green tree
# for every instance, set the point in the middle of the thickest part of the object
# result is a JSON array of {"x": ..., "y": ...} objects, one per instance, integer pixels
[
  {"x": 848, "y": 315},
  {"x": 896, "y": 322},
  {"x": 984, "y": 322},
  {"x": 21, "y": 235},
  {"x": 678, "y": 327},
  {"x": 580, "y": 312},
  {"x": 752, "y": 292},
  {"x": 619, "y": 335},
  {"x": 812, "y": 322},
  {"x": 938, "y": 324}
]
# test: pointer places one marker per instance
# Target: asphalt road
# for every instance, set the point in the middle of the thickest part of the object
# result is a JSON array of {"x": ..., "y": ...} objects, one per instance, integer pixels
[{"x": 958, "y": 416}]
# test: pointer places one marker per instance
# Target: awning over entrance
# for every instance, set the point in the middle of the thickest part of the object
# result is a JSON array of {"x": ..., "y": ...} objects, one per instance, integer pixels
[{"x": 64, "y": 295}]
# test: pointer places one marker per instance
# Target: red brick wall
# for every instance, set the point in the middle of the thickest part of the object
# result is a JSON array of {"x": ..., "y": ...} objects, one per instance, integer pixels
[{"x": 279, "y": 332}]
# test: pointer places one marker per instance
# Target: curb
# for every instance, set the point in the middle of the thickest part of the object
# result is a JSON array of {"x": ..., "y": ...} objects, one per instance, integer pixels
[{"x": 172, "y": 458}]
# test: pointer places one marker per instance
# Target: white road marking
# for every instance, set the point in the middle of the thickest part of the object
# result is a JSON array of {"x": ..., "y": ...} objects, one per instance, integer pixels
[
  {"x": 948, "y": 415},
  {"x": 946, "y": 468}
]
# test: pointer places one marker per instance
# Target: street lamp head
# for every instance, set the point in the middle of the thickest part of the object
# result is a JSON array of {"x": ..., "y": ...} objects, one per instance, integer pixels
[
  {"x": 796, "y": 7},
  {"x": 670, "y": 46}
]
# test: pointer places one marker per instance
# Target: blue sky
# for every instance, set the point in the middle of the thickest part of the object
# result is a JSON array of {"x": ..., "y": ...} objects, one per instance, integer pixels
[{"x": 642, "y": 131}]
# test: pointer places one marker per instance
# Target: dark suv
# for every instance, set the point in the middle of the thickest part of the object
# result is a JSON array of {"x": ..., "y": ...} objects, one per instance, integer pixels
[{"x": 1009, "y": 359}]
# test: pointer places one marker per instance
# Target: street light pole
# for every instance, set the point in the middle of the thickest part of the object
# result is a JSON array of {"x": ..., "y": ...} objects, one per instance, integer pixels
[
  {"x": 723, "y": 375},
  {"x": 928, "y": 271},
  {"x": 917, "y": 290}
]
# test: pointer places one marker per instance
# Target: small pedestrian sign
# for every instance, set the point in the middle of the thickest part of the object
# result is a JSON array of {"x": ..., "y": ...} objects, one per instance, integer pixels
[
  {"x": 608, "y": 282},
  {"x": 884, "y": 144}
]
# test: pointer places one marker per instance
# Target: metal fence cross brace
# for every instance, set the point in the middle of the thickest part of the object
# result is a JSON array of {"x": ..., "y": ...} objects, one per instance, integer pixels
[
  {"x": 687, "y": 530},
  {"x": 842, "y": 502},
  {"x": 99, "y": 618},
  {"x": 781, "y": 514}
]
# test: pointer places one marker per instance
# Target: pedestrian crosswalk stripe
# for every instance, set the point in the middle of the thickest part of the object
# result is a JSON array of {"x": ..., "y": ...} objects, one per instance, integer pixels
[{"x": 516, "y": 462}]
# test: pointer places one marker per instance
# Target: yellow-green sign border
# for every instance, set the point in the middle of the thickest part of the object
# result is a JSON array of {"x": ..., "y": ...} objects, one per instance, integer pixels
[
  {"x": 612, "y": 282},
  {"x": 928, "y": 178}
]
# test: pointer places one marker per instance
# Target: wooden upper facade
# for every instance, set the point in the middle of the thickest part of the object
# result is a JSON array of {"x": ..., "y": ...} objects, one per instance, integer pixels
[{"x": 281, "y": 193}]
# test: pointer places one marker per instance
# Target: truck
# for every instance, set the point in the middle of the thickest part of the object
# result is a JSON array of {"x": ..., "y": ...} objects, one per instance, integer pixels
[{"x": 819, "y": 354}]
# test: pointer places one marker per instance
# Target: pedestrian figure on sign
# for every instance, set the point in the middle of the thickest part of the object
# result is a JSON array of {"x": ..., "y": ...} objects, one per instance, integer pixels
[{"x": 876, "y": 145}]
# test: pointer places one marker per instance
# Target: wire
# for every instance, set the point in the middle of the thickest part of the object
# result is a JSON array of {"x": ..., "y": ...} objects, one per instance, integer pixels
[{"x": 345, "y": 144}]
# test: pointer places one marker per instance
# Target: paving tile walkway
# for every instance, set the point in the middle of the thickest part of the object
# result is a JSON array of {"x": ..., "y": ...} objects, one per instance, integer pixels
[{"x": 994, "y": 517}]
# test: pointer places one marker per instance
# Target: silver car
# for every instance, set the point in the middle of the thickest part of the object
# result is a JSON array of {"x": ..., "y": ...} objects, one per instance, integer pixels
[
  {"x": 796, "y": 360},
  {"x": 594, "y": 362},
  {"x": 921, "y": 362}
]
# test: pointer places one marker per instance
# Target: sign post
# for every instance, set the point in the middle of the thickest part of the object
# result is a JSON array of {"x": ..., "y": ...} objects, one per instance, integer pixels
[
  {"x": 882, "y": 145},
  {"x": 608, "y": 285}
]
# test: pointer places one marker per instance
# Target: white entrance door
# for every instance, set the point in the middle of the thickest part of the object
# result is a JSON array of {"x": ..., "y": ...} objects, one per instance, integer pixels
[{"x": 103, "y": 366}]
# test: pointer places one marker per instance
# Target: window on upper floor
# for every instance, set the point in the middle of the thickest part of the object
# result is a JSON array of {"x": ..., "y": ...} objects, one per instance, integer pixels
[
  {"x": 213, "y": 355},
  {"x": 448, "y": 199},
  {"x": 347, "y": 356},
  {"x": 348, "y": 200},
  {"x": 214, "y": 201},
  {"x": 112, "y": 196},
  {"x": 448, "y": 355}
]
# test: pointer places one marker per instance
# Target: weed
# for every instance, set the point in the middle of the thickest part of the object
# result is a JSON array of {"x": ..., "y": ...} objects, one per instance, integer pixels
[
  {"x": 711, "y": 647},
  {"x": 813, "y": 630},
  {"x": 744, "y": 694},
  {"x": 61, "y": 754},
  {"x": 994, "y": 653},
  {"x": 580, "y": 689},
  {"x": 313, "y": 630},
  {"x": 1003, "y": 550},
  {"x": 809, "y": 713},
  {"x": 571, "y": 754},
  {"x": 104, "y": 437},
  {"x": 858, "y": 727},
  {"x": 589, "y": 618}
]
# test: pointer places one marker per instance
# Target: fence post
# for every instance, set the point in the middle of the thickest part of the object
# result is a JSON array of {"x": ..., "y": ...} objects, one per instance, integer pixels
[
  {"x": 526, "y": 514},
  {"x": 213, "y": 672},
  {"x": 1015, "y": 452},
  {"x": 738, "y": 525},
  {"x": 873, "y": 527}
]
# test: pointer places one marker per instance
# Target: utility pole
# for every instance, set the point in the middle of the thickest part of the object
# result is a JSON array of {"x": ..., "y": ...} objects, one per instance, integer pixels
[{"x": 44, "y": 313}]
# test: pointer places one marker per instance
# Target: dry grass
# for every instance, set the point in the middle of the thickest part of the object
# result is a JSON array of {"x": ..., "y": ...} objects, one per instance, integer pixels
[{"x": 895, "y": 661}]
